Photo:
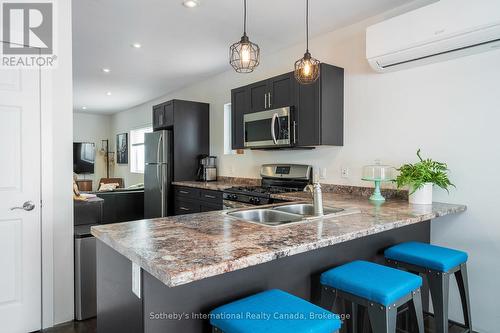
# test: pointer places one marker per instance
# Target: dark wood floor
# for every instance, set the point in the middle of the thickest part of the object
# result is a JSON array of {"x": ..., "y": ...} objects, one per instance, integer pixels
[
  {"x": 89, "y": 326},
  {"x": 84, "y": 326}
]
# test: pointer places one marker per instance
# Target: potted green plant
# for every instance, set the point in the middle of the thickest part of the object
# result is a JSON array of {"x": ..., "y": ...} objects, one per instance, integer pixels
[{"x": 420, "y": 178}]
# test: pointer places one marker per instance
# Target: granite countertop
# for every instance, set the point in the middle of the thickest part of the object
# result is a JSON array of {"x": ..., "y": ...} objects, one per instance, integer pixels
[
  {"x": 182, "y": 249},
  {"x": 216, "y": 185},
  {"x": 220, "y": 185}
]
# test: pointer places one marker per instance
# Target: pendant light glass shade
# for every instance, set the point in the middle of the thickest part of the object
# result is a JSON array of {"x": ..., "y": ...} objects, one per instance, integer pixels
[
  {"x": 244, "y": 55},
  {"x": 307, "y": 68}
]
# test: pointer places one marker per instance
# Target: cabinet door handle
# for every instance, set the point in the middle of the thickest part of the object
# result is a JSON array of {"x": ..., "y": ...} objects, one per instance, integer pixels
[
  {"x": 269, "y": 97},
  {"x": 294, "y": 131},
  {"x": 209, "y": 196},
  {"x": 265, "y": 101},
  {"x": 184, "y": 208},
  {"x": 183, "y": 192}
]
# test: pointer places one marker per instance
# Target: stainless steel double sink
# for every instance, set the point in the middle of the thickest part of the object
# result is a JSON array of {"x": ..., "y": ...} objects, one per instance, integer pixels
[{"x": 285, "y": 214}]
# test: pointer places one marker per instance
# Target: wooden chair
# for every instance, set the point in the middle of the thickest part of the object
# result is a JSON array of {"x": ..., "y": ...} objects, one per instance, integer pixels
[{"x": 112, "y": 180}]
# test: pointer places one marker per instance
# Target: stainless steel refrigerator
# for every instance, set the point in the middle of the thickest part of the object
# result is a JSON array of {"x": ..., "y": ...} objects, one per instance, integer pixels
[{"x": 157, "y": 173}]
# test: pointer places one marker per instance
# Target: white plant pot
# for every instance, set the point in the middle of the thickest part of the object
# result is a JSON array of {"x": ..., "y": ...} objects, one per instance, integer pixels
[{"x": 422, "y": 196}]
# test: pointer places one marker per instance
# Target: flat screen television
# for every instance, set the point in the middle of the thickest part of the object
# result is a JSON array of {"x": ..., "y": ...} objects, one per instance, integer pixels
[{"x": 83, "y": 157}]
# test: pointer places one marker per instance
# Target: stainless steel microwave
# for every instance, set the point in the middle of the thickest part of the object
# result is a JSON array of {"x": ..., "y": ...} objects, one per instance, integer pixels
[{"x": 272, "y": 128}]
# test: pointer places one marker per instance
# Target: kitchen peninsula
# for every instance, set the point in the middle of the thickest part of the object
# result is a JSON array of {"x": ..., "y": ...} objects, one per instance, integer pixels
[{"x": 193, "y": 263}]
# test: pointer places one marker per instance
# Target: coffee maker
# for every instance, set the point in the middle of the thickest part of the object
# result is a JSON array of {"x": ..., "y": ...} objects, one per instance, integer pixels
[{"x": 207, "y": 170}]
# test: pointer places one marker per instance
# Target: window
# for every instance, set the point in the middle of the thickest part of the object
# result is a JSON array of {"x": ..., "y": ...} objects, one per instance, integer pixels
[{"x": 137, "y": 149}]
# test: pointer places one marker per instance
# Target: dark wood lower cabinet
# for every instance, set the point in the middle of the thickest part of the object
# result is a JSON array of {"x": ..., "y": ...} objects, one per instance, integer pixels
[
  {"x": 190, "y": 200},
  {"x": 186, "y": 206},
  {"x": 122, "y": 205},
  {"x": 119, "y": 310}
]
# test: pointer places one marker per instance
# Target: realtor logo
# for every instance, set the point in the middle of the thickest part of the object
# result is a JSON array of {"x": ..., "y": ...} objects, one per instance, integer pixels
[{"x": 27, "y": 28}]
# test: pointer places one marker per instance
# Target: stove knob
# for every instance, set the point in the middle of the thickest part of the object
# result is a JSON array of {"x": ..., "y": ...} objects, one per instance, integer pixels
[{"x": 256, "y": 201}]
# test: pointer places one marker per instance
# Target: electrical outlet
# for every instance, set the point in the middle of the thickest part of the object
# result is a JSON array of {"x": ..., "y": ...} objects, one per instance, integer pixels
[
  {"x": 344, "y": 172},
  {"x": 322, "y": 173}
]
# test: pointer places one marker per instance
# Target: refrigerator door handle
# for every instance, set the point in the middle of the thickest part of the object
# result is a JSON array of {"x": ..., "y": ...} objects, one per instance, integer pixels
[
  {"x": 163, "y": 194},
  {"x": 158, "y": 167},
  {"x": 158, "y": 148},
  {"x": 159, "y": 176}
]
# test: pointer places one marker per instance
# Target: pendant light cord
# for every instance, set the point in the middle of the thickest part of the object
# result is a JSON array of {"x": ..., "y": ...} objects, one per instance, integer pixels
[
  {"x": 244, "y": 17},
  {"x": 307, "y": 26}
]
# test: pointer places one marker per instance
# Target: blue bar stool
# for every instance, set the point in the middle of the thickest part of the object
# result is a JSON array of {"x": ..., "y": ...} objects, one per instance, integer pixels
[
  {"x": 437, "y": 264},
  {"x": 273, "y": 311},
  {"x": 377, "y": 288}
]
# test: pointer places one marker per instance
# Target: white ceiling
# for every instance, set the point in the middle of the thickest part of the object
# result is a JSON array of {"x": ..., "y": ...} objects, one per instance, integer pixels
[{"x": 181, "y": 45}]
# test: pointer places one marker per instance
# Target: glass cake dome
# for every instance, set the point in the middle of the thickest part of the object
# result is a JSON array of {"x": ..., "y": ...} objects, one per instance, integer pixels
[{"x": 378, "y": 172}]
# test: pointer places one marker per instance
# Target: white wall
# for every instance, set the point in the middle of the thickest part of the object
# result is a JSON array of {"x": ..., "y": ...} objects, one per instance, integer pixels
[
  {"x": 93, "y": 128},
  {"x": 449, "y": 109},
  {"x": 57, "y": 168},
  {"x": 123, "y": 123}
]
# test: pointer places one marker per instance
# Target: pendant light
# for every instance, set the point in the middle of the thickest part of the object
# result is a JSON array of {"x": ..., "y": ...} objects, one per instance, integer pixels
[
  {"x": 307, "y": 68},
  {"x": 244, "y": 55}
]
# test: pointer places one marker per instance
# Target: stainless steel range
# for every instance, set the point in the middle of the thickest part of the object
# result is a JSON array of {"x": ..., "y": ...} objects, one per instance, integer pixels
[{"x": 276, "y": 178}]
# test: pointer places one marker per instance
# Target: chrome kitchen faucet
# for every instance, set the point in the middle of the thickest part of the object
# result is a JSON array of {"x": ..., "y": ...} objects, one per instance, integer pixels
[{"x": 317, "y": 195}]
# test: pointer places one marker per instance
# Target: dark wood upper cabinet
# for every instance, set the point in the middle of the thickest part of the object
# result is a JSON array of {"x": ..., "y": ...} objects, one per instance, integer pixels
[
  {"x": 281, "y": 91},
  {"x": 318, "y": 108},
  {"x": 258, "y": 93},
  {"x": 163, "y": 116},
  {"x": 159, "y": 121},
  {"x": 239, "y": 106},
  {"x": 190, "y": 123},
  {"x": 169, "y": 113},
  {"x": 273, "y": 93}
]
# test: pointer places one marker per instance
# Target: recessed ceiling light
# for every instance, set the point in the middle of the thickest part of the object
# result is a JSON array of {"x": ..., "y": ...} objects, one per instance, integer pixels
[
  {"x": 108, "y": 93},
  {"x": 191, "y": 3},
  {"x": 106, "y": 70},
  {"x": 84, "y": 108},
  {"x": 136, "y": 45}
]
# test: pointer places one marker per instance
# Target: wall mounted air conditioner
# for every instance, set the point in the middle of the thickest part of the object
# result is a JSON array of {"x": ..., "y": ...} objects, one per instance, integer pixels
[{"x": 439, "y": 31}]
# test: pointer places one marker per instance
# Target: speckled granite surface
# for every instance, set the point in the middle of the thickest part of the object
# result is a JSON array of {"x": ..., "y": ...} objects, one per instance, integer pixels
[
  {"x": 364, "y": 191},
  {"x": 221, "y": 184},
  {"x": 182, "y": 249}
]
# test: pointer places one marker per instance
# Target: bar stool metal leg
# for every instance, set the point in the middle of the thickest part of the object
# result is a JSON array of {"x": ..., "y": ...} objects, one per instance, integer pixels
[
  {"x": 416, "y": 309},
  {"x": 362, "y": 320},
  {"x": 327, "y": 299},
  {"x": 439, "y": 284},
  {"x": 463, "y": 287},
  {"x": 356, "y": 312},
  {"x": 382, "y": 319}
]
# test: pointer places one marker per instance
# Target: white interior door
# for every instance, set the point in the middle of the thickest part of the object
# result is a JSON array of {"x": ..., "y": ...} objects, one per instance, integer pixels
[{"x": 20, "y": 241}]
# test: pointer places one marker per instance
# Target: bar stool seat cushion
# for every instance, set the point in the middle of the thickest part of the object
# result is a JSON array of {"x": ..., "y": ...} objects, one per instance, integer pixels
[
  {"x": 374, "y": 282},
  {"x": 274, "y": 311},
  {"x": 426, "y": 255}
]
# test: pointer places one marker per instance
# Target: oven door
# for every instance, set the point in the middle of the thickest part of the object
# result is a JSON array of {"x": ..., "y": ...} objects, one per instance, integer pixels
[{"x": 269, "y": 128}]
